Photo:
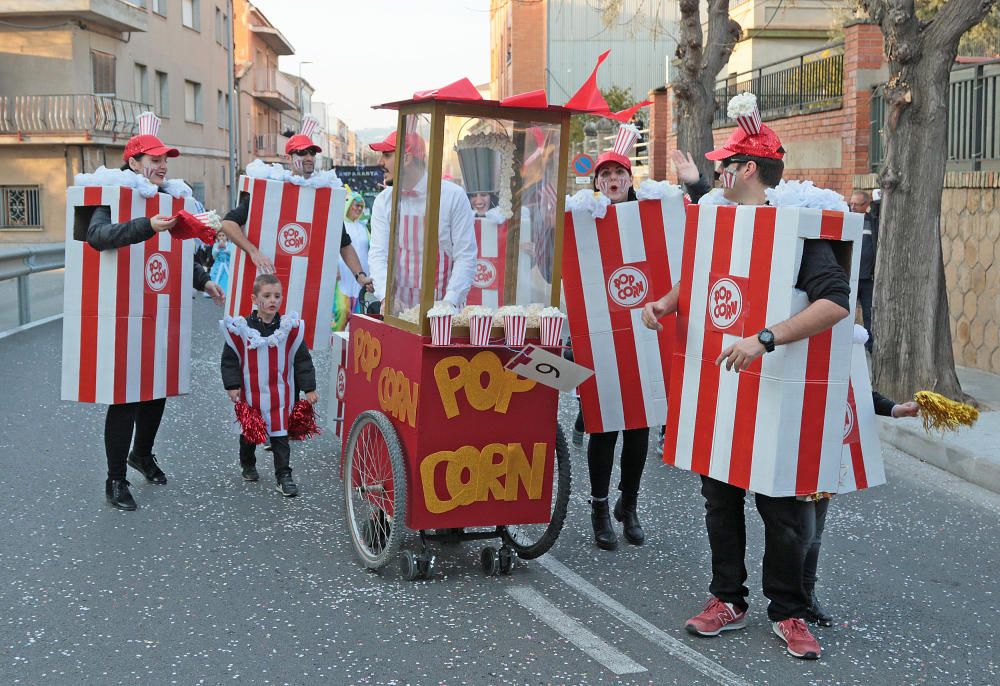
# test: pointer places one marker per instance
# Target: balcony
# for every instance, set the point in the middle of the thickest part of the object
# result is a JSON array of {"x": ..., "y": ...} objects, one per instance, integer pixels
[
  {"x": 117, "y": 15},
  {"x": 273, "y": 39},
  {"x": 269, "y": 147},
  {"x": 274, "y": 89},
  {"x": 69, "y": 116}
]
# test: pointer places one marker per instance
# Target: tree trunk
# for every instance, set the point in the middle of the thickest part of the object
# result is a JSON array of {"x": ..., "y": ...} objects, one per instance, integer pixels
[
  {"x": 694, "y": 84},
  {"x": 913, "y": 346}
]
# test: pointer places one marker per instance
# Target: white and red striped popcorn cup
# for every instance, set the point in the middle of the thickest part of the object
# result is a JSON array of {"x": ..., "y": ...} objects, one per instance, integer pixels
[
  {"x": 479, "y": 329},
  {"x": 551, "y": 329},
  {"x": 750, "y": 123},
  {"x": 440, "y": 329},
  {"x": 514, "y": 328}
]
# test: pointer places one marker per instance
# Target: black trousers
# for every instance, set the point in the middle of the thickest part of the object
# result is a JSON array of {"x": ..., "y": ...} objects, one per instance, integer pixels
[
  {"x": 812, "y": 554},
  {"x": 142, "y": 419},
  {"x": 789, "y": 526},
  {"x": 280, "y": 448},
  {"x": 866, "y": 287},
  {"x": 601, "y": 459}
]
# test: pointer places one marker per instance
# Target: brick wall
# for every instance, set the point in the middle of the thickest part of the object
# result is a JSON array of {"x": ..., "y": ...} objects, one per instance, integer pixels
[{"x": 830, "y": 147}]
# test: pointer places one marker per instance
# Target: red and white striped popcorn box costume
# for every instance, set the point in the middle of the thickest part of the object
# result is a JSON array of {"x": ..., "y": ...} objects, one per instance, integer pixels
[
  {"x": 488, "y": 282},
  {"x": 861, "y": 463},
  {"x": 127, "y": 311},
  {"x": 299, "y": 228},
  {"x": 338, "y": 382},
  {"x": 776, "y": 428},
  {"x": 611, "y": 268},
  {"x": 268, "y": 367}
]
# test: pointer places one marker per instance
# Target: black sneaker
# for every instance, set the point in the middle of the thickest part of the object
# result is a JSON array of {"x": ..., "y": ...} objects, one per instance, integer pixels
[
  {"x": 250, "y": 473},
  {"x": 149, "y": 468},
  {"x": 286, "y": 486},
  {"x": 118, "y": 495},
  {"x": 815, "y": 614}
]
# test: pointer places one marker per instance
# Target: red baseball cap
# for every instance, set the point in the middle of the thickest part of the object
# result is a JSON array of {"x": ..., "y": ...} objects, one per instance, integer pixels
[
  {"x": 764, "y": 144},
  {"x": 300, "y": 142},
  {"x": 609, "y": 156},
  {"x": 147, "y": 144},
  {"x": 387, "y": 144}
]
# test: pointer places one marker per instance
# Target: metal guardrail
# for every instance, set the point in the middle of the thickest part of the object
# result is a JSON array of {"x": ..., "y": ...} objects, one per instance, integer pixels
[
  {"x": 810, "y": 82},
  {"x": 20, "y": 263},
  {"x": 69, "y": 114}
]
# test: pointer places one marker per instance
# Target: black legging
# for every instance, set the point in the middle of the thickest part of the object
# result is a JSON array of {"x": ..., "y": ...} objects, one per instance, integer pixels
[
  {"x": 142, "y": 417},
  {"x": 601, "y": 459}
]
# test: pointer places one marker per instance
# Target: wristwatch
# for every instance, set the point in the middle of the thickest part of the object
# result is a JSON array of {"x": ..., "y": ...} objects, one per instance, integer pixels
[
  {"x": 766, "y": 339},
  {"x": 359, "y": 274}
]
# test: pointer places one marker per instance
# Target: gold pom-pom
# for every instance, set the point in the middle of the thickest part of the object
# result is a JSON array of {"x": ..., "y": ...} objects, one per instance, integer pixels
[{"x": 938, "y": 412}]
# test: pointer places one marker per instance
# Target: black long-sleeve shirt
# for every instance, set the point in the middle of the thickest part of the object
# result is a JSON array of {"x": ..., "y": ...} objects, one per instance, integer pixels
[
  {"x": 103, "y": 234},
  {"x": 232, "y": 370}
]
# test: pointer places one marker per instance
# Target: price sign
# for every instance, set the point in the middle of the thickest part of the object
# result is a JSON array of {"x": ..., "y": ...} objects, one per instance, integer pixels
[{"x": 548, "y": 368}]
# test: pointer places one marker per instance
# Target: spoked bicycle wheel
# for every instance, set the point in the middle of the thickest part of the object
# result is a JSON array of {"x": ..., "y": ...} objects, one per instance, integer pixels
[
  {"x": 534, "y": 540},
  {"x": 375, "y": 489}
]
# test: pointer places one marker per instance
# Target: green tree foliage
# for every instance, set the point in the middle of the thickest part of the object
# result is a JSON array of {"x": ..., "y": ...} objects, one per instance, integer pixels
[{"x": 982, "y": 40}]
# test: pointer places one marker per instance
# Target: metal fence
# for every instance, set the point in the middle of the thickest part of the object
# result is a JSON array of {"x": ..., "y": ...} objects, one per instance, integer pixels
[
  {"x": 99, "y": 114},
  {"x": 20, "y": 263},
  {"x": 810, "y": 82},
  {"x": 973, "y": 109}
]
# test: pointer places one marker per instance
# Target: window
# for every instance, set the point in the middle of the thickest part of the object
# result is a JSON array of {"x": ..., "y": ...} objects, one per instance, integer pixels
[
  {"x": 142, "y": 84},
  {"x": 191, "y": 14},
  {"x": 223, "y": 109},
  {"x": 162, "y": 94},
  {"x": 103, "y": 68},
  {"x": 160, "y": 7},
  {"x": 192, "y": 101},
  {"x": 198, "y": 191},
  {"x": 219, "y": 27},
  {"x": 20, "y": 207}
]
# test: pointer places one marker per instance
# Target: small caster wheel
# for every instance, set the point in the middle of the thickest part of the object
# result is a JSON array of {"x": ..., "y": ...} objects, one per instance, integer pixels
[
  {"x": 507, "y": 559},
  {"x": 489, "y": 559},
  {"x": 425, "y": 565},
  {"x": 408, "y": 565}
]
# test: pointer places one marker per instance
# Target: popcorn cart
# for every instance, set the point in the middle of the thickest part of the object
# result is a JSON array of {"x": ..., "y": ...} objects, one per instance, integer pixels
[{"x": 439, "y": 436}]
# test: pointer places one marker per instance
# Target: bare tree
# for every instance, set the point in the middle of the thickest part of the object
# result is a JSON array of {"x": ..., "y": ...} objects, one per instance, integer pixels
[
  {"x": 913, "y": 346},
  {"x": 699, "y": 63}
]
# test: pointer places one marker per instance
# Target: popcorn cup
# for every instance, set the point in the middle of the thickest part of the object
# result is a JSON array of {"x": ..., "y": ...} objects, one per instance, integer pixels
[
  {"x": 514, "y": 328},
  {"x": 551, "y": 329},
  {"x": 479, "y": 329},
  {"x": 440, "y": 329}
]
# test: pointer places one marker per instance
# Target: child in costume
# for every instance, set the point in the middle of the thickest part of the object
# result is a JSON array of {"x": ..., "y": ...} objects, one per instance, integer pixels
[
  {"x": 221, "y": 257},
  {"x": 265, "y": 364}
]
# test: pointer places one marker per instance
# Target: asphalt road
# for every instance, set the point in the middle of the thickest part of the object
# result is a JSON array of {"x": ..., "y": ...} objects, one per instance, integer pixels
[{"x": 214, "y": 580}]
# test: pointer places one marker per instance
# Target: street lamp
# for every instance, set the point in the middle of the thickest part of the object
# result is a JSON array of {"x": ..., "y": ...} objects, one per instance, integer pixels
[{"x": 302, "y": 97}]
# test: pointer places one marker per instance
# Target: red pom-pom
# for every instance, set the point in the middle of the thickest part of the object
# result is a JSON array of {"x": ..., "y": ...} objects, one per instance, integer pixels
[
  {"x": 252, "y": 423},
  {"x": 302, "y": 421}
]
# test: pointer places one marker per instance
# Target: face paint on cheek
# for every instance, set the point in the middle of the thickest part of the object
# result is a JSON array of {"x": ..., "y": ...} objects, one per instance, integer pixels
[
  {"x": 297, "y": 162},
  {"x": 148, "y": 172},
  {"x": 728, "y": 179},
  {"x": 603, "y": 184}
]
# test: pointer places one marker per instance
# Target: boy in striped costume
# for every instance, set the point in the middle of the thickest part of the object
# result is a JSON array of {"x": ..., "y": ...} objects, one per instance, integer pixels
[{"x": 266, "y": 363}]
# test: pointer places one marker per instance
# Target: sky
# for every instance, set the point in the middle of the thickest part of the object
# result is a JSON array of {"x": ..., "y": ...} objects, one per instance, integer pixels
[{"x": 365, "y": 52}]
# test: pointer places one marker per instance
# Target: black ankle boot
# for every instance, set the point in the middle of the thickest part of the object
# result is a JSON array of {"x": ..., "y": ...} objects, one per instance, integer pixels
[
  {"x": 816, "y": 614},
  {"x": 625, "y": 512},
  {"x": 604, "y": 534},
  {"x": 118, "y": 495},
  {"x": 148, "y": 466}
]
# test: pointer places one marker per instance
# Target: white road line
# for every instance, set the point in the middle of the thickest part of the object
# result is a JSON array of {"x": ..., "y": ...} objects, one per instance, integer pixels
[
  {"x": 704, "y": 665},
  {"x": 615, "y": 660}
]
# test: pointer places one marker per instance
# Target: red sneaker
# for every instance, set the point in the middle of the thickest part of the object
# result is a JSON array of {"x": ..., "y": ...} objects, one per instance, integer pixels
[
  {"x": 716, "y": 618},
  {"x": 800, "y": 642}
]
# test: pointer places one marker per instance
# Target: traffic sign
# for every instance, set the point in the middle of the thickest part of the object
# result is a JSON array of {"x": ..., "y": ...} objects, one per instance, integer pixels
[{"x": 583, "y": 164}]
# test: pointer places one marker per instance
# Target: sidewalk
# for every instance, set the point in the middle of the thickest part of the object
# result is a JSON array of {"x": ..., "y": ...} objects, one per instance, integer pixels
[{"x": 972, "y": 454}]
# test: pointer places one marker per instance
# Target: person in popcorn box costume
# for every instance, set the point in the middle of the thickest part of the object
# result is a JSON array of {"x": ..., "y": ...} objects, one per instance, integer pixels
[
  {"x": 302, "y": 153},
  {"x": 147, "y": 156},
  {"x": 272, "y": 406},
  {"x": 613, "y": 179},
  {"x": 750, "y": 166}
]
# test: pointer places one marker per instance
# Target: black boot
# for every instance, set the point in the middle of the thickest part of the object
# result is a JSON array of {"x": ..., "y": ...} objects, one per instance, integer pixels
[
  {"x": 117, "y": 493},
  {"x": 148, "y": 466},
  {"x": 625, "y": 512},
  {"x": 604, "y": 534},
  {"x": 815, "y": 613}
]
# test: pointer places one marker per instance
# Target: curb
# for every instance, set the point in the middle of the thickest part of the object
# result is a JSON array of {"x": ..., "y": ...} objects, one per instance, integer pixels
[{"x": 958, "y": 461}]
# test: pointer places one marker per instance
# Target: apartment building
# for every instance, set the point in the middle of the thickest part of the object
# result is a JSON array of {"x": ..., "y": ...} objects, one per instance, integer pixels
[{"x": 75, "y": 76}]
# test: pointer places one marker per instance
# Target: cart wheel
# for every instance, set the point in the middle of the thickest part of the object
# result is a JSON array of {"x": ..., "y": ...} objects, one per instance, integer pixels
[
  {"x": 375, "y": 489},
  {"x": 534, "y": 540},
  {"x": 507, "y": 559},
  {"x": 409, "y": 566},
  {"x": 425, "y": 565},
  {"x": 489, "y": 559}
]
